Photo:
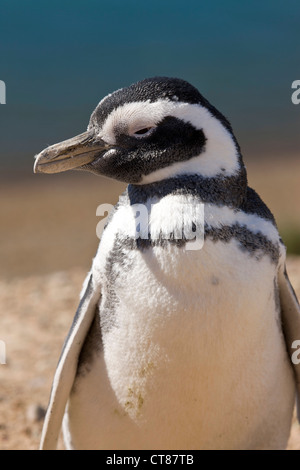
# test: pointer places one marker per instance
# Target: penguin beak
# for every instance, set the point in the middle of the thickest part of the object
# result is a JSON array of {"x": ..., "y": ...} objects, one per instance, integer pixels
[{"x": 69, "y": 154}]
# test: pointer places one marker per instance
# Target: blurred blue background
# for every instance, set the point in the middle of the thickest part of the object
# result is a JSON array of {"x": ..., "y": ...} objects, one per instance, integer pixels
[{"x": 59, "y": 58}]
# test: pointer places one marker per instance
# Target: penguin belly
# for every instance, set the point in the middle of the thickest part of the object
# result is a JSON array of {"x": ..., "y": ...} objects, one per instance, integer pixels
[{"x": 192, "y": 355}]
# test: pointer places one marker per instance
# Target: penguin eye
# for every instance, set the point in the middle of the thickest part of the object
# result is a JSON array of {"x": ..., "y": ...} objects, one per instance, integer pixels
[{"x": 144, "y": 132}]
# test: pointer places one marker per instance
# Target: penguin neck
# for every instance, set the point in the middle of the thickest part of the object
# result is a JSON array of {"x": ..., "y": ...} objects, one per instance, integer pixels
[{"x": 220, "y": 190}]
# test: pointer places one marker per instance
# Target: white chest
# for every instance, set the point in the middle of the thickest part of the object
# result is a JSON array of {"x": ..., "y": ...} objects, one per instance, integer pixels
[
  {"x": 192, "y": 346},
  {"x": 166, "y": 311}
]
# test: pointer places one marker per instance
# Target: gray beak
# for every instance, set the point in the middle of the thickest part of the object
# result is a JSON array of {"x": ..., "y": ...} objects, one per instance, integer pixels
[{"x": 69, "y": 154}]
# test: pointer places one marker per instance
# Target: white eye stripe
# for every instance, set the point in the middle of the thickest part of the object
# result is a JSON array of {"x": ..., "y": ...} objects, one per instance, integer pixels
[{"x": 135, "y": 116}]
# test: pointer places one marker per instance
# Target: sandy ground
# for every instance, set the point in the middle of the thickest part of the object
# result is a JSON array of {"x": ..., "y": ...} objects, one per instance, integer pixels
[{"x": 47, "y": 241}]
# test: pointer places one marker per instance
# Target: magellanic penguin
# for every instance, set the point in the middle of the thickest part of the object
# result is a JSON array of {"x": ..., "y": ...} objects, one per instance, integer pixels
[{"x": 174, "y": 347}]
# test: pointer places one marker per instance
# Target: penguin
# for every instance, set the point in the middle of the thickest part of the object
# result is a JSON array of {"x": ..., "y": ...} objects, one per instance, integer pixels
[{"x": 186, "y": 332}]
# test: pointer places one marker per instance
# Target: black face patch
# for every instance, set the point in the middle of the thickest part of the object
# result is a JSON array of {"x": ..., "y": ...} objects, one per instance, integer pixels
[{"x": 172, "y": 141}]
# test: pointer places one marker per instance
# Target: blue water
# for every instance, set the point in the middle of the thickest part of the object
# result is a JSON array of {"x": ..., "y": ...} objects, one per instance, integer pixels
[{"x": 59, "y": 58}]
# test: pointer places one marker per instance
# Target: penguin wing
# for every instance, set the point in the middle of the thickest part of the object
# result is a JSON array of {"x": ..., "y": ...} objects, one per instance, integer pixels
[
  {"x": 67, "y": 365},
  {"x": 290, "y": 317}
]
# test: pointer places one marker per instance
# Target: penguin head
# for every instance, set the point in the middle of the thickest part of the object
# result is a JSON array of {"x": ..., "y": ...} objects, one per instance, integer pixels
[{"x": 152, "y": 130}]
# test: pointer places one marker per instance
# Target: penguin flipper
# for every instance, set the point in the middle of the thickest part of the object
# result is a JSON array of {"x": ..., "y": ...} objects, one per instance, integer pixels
[
  {"x": 67, "y": 365},
  {"x": 290, "y": 317}
]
